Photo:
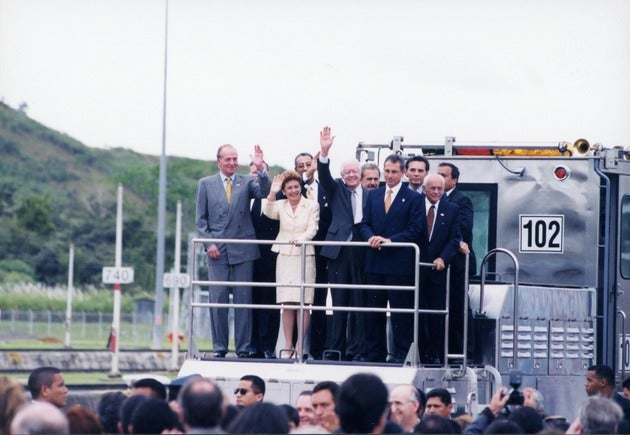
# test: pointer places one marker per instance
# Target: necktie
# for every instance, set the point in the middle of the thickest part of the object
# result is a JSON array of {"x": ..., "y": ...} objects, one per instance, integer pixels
[
  {"x": 228, "y": 188},
  {"x": 353, "y": 201},
  {"x": 309, "y": 191},
  {"x": 430, "y": 219},
  {"x": 388, "y": 200}
]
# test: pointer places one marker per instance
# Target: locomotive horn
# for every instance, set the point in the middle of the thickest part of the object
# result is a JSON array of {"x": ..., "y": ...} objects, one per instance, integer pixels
[{"x": 580, "y": 146}]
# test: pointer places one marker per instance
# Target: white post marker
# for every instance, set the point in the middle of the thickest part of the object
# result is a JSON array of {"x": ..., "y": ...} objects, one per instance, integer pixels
[
  {"x": 175, "y": 281},
  {"x": 117, "y": 275},
  {"x": 68, "y": 323}
]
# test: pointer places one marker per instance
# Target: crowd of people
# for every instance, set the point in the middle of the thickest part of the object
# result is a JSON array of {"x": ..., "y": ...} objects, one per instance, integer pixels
[
  {"x": 360, "y": 404},
  {"x": 296, "y": 207}
]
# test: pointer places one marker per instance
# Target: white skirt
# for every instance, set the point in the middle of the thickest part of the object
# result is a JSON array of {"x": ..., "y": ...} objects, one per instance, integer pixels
[{"x": 288, "y": 271}]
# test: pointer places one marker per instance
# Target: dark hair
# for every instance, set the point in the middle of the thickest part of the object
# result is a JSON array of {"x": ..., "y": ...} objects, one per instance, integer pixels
[
  {"x": 40, "y": 377},
  {"x": 454, "y": 169},
  {"x": 301, "y": 155},
  {"x": 290, "y": 176},
  {"x": 361, "y": 403},
  {"x": 291, "y": 414},
  {"x": 83, "y": 420},
  {"x": 331, "y": 386},
  {"x": 418, "y": 159},
  {"x": 201, "y": 404},
  {"x": 626, "y": 383},
  {"x": 527, "y": 418},
  {"x": 109, "y": 410},
  {"x": 127, "y": 409},
  {"x": 258, "y": 385},
  {"x": 154, "y": 385},
  {"x": 437, "y": 424},
  {"x": 229, "y": 415},
  {"x": 603, "y": 372},
  {"x": 395, "y": 158},
  {"x": 261, "y": 417},
  {"x": 442, "y": 393},
  {"x": 503, "y": 426},
  {"x": 153, "y": 416}
]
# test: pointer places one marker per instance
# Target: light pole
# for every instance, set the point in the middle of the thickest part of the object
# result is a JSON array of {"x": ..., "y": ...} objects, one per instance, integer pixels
[{"x": 161, "y": 224}]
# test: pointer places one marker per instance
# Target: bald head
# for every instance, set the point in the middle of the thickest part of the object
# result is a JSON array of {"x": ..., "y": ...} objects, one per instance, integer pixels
[
  {"x": 40, "y": 417},
  {"x": 404, "y": 403}
]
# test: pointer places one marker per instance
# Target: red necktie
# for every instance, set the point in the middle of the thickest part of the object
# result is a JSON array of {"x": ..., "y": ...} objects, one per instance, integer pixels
[{"x": 430, "y": 219}]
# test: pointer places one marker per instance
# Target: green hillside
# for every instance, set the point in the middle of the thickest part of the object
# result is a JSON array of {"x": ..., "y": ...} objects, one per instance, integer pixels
[{"x": 55, "y": 191}]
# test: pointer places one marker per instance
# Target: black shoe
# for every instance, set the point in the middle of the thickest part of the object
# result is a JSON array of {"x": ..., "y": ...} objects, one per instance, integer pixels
[
  {"x": 270, "y": 355},
  {"x": 398, "y": 361},
  {"x": 243, "y": 354},
  {"x": 331, "y": 355},
  {"x": 219, "y": 354},
  {"x": 257, "y": 354}
]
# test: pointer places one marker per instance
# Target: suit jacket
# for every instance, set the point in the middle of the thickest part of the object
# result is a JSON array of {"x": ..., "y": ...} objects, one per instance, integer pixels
[
  {"x": 466, "y": 219},
  {"x": 218, "y": 219},
  {"x": 265, "y": 228},
  {"x": 342, "y": 222},
  {"x": 446, "y": 234},
  {"x": 325, "y": 212},
  {"x": 301, "y": 225},
  {"x": 405, "y": 222},
  {"x": 444, "y": 243}
]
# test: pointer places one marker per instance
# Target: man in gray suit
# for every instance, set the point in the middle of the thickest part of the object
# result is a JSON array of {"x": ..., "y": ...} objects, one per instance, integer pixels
[{"x": 223, "y": 202}]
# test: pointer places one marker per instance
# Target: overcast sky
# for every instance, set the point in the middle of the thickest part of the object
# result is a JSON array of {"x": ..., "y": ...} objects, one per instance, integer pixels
[{"x": 274, "y": 72}]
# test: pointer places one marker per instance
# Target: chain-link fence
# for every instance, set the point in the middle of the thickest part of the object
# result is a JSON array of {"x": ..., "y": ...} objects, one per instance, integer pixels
[{"x": 87, "y": 329}]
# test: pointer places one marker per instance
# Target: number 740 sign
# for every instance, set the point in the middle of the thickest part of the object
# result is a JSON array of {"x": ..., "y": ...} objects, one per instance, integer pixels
[
  {"x": 117, "y": 275},
  {"x": 541, "y": 233}
]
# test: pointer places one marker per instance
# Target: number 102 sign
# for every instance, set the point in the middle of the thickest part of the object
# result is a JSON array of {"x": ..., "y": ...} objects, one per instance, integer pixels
[{"x": 541, "y": 233}]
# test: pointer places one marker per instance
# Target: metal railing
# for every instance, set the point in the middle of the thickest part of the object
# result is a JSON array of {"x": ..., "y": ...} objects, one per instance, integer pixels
[{"x": 193, "y": 351}]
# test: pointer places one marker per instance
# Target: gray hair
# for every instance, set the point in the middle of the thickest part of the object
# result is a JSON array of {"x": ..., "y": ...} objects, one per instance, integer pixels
[{"x": 600, "y": 415}]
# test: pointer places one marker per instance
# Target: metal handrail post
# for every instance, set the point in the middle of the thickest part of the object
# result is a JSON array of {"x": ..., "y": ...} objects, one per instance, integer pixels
[{"x": 515, "y": 302}]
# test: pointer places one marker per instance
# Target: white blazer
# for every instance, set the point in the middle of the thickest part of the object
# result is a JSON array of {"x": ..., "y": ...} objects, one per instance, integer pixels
[{"x": 300, "y": 225}]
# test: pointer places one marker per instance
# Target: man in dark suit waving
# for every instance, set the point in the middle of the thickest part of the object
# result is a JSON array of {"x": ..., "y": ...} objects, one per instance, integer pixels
[
  {"x": 441, "y": 243},
  {"x": 223, "y": 202},
  {"x": 392, "y": 214},
  {"x": 345, "y": 263}
]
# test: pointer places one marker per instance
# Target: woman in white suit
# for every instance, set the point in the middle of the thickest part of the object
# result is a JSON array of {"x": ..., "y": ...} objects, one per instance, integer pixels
[{"x": 298, "y": 218}]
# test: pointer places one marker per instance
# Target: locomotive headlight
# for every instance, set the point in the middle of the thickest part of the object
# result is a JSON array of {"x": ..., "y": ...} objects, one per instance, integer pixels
[{"x": 561, "y": 173}]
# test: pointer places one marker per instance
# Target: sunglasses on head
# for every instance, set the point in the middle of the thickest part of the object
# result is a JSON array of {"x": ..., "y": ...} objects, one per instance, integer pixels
[{"x": 241, "y": 391}]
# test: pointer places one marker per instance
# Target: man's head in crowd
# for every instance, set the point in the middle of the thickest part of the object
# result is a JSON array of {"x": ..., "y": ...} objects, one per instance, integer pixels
[
  {"x": 201, "y": 404},
  {"x": 303, "y": 162},
  {"x": 351, "y": 174},
  {"x": 109, "y": 410},
  {"x": 323, "y": 401},
  {"x": 40, "y": 417},
  {"x": 362, "y": 404},
  {"x": 600, "y": 415},
  {"x": 304, "y": 406},
  {"x": 404, "y": 402},
  {"x": 370, "y": 176},
  {"x": 450, "y": 172},
  {"x": 149, "y": 387},
  {"x": 46, "y": 384},
  {"x": 393, "y": 170},
  {"x": 250, "y": 390},
  {"x": 417, "y": 168},
  {"x": 439, "y": 402},
  {"x": 600, "y": 379}
]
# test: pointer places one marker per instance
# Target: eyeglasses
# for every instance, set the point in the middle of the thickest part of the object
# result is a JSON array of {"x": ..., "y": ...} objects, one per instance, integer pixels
[{"x": 241, "y": 391}]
